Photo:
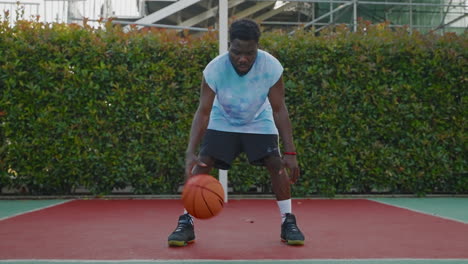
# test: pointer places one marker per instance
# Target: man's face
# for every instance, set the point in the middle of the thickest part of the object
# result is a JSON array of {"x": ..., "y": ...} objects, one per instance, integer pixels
[{"x": 242, "y": 54}]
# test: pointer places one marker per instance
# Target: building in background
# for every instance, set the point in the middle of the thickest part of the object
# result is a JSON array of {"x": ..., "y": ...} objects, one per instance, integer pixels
[{"x": 422, "y": 15}]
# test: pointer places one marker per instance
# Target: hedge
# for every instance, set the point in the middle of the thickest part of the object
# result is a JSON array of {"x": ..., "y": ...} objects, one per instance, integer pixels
[{"x": 378, "y": 110}]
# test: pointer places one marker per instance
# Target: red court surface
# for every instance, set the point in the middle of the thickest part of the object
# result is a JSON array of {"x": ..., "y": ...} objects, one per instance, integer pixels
[{"x": 245, "y": 230}]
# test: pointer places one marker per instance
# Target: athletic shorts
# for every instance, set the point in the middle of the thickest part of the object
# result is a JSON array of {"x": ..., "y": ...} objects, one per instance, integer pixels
[{"x": 224, "y": 147}]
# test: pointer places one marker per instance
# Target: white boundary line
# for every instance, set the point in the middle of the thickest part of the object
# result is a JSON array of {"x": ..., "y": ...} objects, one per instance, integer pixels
[
  {"x": 419, "y": 211},
  {"x": 374, "y": 260},
  {"x": 33, "y": 210}
]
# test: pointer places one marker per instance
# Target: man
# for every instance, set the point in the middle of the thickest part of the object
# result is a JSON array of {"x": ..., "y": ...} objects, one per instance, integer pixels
[{"x": 242, "y": 109}]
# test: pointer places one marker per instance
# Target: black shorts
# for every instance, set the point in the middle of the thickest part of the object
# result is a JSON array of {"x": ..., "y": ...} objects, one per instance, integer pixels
[{"x": 224, "y": 147}]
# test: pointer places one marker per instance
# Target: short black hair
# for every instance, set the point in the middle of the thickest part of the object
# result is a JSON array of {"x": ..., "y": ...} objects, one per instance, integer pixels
[{"x": 244, "y": 29}]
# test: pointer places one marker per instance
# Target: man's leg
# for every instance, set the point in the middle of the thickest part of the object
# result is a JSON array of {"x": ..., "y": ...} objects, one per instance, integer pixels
[
  {"x": 218, "y": 149},
  {"x": 281, "y": 187},
  {"x": 279, "y": 179},
  {"x": 185, "y": 231}
]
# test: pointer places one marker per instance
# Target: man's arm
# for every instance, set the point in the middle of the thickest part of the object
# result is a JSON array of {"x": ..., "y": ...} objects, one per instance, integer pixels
[
  {"x": 283, "y": 123},
  {"x": 199, "y": 125}
]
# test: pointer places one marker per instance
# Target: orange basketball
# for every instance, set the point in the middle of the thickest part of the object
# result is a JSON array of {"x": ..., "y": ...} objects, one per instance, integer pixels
[{"x": 203, "y": 196}]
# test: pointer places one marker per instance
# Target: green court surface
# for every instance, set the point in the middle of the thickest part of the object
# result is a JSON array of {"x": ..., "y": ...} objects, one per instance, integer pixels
[
  {"x": 9, "y": 208},
  {"x": 449, "y": 208}
]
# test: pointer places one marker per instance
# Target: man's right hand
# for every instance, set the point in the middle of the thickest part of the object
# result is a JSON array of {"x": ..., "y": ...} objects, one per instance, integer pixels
[{"x": 191, "y": 160}]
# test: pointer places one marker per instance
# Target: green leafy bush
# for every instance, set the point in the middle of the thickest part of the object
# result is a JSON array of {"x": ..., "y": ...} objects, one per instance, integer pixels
[{"x": 373, "y": 111}]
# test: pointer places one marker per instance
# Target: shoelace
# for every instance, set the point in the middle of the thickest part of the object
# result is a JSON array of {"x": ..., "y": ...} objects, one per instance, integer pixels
[
  {"x": 181, "y": 225},
  {"x": 291, "y": 227}
]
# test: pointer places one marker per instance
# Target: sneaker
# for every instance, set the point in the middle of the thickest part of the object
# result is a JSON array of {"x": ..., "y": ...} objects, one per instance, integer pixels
[
  {"x": 184, "y": 233},
  {"x": 290, "y": 233}
]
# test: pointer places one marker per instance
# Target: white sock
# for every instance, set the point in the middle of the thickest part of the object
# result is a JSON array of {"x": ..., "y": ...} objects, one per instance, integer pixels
[
  {"x": 185, "y": 212},
  {"x": 285, "y": 208}
]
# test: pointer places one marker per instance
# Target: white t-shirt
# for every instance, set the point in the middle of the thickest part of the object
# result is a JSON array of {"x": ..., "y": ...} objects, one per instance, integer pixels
[{"x": 241, "y": 103}]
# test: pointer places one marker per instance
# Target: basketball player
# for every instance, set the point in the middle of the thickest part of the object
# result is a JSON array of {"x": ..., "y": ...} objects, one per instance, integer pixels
[{"x": 242, "y": 109}]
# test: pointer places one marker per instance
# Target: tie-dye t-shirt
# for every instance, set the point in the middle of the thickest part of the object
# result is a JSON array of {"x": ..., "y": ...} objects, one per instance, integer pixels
[{"x": 241, "y": 103}]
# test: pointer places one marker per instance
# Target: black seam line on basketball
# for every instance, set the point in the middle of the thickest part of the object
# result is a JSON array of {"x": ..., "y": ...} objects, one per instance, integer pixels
[
  {"x": 204, "y": 188},
  {"x": 207, "y": 206}
]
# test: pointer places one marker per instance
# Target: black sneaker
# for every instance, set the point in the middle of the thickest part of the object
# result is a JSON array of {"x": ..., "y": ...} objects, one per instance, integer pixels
[
  {"x": 184, "y": 233},
  {"x": 290, "y": 233}
]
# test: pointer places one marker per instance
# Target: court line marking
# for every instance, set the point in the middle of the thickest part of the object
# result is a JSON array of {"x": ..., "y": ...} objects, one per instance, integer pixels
[
  {"x": 34, "y": 210},
  {"x": 375, "y": 260},
  {"x": 419, "y": 211}
]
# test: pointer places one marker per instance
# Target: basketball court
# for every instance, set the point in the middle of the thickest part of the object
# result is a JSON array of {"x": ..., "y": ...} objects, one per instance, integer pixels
[{"x": 385, "y": 230}]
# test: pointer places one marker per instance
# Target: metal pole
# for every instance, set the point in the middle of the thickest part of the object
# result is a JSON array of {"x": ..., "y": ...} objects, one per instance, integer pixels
[
  {"x": 324, "y": 15},
  {"x": 154, "y": 25},
  {"x": 223, "y": 47},
  {"x": 365, "y": 2},
  {"x": 411, "y": 16},
  {"x": 355, "y": 15},
  {"x": 141, "y": 8}
]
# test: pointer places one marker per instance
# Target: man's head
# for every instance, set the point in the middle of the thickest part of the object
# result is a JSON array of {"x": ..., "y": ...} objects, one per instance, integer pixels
[{"x": 244, "y": 35}]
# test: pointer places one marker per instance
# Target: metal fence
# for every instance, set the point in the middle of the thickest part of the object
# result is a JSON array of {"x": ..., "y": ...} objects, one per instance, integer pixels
[{"x": 424, "y": 15}]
